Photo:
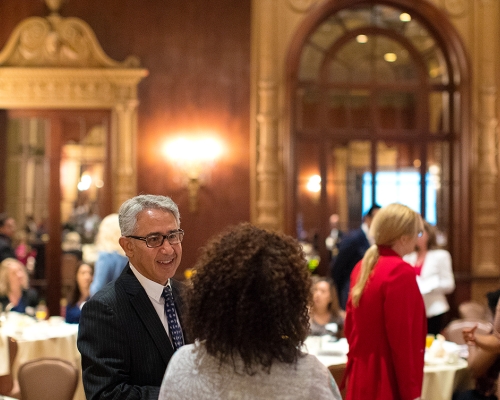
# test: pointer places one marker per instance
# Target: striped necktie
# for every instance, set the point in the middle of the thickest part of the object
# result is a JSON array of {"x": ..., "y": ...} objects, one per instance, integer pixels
[{"x": 173, "y": 325}]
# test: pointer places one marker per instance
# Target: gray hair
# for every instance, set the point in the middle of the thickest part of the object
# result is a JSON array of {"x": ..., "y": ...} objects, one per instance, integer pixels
[{"x": 127, "y": 214}]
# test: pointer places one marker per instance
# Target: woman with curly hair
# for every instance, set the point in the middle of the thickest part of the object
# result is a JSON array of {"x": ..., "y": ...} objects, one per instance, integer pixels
[
  {"x": 247, "y": 312},
  {"x": 385, "y": 322}
]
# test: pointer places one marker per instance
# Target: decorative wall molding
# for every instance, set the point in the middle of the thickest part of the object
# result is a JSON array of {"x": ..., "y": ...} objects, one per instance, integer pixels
[
  {"x": 302, "y": 5},
  {"x": 57, "y": 62},
  {"x": 55, "y": 41},
  {"x": 486, "y": 260},
  {"x": 268, "y": 180},
  {"x": 455, "y": 8}
]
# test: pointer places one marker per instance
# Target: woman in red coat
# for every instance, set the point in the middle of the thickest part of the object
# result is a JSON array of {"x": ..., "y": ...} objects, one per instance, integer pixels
[{"x": 385, "y": 323}]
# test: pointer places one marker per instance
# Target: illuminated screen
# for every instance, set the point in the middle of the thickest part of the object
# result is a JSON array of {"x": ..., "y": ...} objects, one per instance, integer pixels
[{"x": 400, "y": 187}]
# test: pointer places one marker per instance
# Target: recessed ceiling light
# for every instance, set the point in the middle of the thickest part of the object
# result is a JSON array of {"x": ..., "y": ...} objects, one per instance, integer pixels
[
  {"x": 362, "y": 38},
  {"x": 390, "y": 57},
  {"x": 405, "y": 17}
]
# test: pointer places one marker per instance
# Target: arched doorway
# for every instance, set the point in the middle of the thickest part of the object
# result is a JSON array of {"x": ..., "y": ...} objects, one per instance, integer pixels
[{"x": 378, "y": 93}]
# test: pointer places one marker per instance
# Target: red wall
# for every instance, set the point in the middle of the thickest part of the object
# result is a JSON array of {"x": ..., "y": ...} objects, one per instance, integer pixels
[{"x": 198, "y": 56}]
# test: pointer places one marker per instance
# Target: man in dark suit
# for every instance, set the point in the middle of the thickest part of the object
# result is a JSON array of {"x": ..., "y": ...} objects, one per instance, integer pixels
[
  {"x": 352, "y": 248},
  {"x": 7, "y": 230},
  {"x": 125, "y": 337}
]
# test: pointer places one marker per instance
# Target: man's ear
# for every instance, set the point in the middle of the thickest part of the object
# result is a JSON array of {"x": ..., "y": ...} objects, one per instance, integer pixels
[{"x": 126, "y": 245}]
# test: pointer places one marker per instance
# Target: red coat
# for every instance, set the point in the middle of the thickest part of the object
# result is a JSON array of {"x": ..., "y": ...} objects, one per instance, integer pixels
[{"x": 386, "y": 333}]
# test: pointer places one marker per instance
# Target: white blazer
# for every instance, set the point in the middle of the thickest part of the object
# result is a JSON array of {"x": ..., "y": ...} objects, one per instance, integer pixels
[{"x": 435, "y": 281}]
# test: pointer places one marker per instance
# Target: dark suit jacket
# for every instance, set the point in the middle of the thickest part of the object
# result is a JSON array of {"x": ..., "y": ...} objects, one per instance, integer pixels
[
  {"x": 6, "y": 249},
  {"x": 352, "y": 248},
  {"x": 124, "y": 346}
]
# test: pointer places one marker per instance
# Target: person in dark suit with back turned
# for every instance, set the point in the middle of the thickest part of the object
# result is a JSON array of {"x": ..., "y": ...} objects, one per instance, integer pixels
[
  {"x": 7, "y": 230},
  {"x": 351, "y": 250},
  {"x": 130, "y": 329}
]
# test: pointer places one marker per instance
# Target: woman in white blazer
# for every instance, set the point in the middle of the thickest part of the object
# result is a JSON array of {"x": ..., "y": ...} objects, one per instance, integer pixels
[{"x": 434, "y": 277}]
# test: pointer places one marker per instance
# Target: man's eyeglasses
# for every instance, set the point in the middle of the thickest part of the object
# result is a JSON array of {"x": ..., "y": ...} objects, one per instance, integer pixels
[
  {"x": 420, "y": 233},
  {"x": 156, "y": 239}
]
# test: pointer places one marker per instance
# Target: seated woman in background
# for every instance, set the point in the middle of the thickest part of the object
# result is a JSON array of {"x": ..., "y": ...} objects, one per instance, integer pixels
[
  {"x": 15, "y": 295},
  {"x": 80, "y": 293},
  {"x": 484, "y": 359},
  {"x": 325, "y": 307},
  {"x": 434, "y": 277},
  {"x": 247, "y": 310}
]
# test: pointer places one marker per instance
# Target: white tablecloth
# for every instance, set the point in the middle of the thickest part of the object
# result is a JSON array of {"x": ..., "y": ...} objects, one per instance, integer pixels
[
  {"x": 440, "y": 379},
  {"x": 39, "y": 339}
]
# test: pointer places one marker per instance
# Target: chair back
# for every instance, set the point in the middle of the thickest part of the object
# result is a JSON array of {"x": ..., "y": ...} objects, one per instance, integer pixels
[
  {"x": 337, "y": 372},
  {"x": 47, "y": 379},
  {"x": 7, "y": 382},
  {"x": 474, "y": 310},
  {"x": 453, "y": 331}
]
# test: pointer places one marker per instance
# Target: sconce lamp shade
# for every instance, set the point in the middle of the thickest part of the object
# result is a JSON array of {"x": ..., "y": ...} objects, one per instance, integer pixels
[{"x": 194, "y": 158}]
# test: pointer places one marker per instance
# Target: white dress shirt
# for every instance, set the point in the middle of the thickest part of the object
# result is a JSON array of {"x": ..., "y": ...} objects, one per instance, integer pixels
[{"x": 154, "y": 291}]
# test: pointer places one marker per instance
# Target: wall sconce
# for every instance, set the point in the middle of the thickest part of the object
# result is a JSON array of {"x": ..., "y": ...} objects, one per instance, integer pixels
[
  {"x": 194, "y": 158},
  {"x": 313, "y": 186}
]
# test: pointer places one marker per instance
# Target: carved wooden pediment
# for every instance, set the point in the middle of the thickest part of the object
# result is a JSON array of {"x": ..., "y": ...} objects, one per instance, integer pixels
[
  {"x": 55, "y": 41},
  {"x": 57, "y": 62}
]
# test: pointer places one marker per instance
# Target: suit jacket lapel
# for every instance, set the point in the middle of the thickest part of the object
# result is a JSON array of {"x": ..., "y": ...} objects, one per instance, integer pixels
[{"x": 147, "y": 314}]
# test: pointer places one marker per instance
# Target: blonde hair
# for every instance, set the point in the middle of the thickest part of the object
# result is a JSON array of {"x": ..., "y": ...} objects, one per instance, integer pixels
[
  {"x": 4, "y": 275},
  {"x": 108, "y": 234},
  {"x": 389, "y": 224}
]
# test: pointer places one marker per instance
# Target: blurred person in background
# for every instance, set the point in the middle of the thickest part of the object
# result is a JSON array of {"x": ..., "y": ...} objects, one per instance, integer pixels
[
  {"x": 111, "y": 259},
  {"x": 72, "y": 244},
  {"x": 80, "y": 293},
  {"x": 333, "y": 240},
  {"x": 385, "y": 322},
  {"x": 7, "y": 231},
  {"x": 24, "y": 252},
  {"x": 325, "y": 308},
  {"x": 483, "y": 361},
  {"x": 247, "y": 309},
  {"x": 351, "y": 250},
  {"x": 434, "y": 277},
  {"x": 15, "y": 294}
]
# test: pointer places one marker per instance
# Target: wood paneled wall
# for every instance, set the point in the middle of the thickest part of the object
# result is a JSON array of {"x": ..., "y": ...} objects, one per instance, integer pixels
[{"x": 198, "y": 57}]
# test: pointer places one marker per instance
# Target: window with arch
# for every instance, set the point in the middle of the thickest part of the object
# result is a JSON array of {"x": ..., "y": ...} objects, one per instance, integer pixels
[{"x": 375, "y": 119}]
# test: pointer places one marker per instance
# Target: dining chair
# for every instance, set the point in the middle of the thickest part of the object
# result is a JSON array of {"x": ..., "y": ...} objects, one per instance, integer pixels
[
  {"x": 47, "y": 379},
  {"x": 473, "y": 310},
  {"x": 337, "y": 372},
  {"x": 453, "y": 331},
  {"x": 8, "y": 385}
]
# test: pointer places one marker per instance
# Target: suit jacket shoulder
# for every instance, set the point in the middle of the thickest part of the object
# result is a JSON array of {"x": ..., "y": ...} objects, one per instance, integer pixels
[{"x": 124, "y": 346}]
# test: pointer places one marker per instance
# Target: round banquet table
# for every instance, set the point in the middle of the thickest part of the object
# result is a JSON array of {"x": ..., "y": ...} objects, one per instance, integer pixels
[
  {"x": 441, "y": 378},
  {"x": 35, "y": 339}
]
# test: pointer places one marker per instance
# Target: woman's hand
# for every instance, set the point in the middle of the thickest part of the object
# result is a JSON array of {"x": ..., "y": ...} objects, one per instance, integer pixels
[{"x": 469, "y": 336}]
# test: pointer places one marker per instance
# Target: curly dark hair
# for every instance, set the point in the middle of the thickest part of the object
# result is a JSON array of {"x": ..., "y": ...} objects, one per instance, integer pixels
[{"x": 249, "y": 298}]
